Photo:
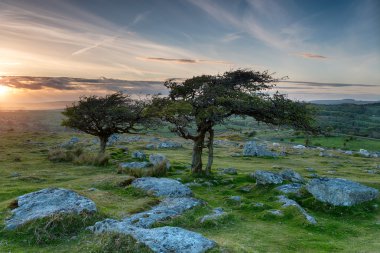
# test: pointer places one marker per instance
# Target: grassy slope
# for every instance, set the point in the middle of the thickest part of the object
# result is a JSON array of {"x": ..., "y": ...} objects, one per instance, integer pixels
[{"x": 247, "y": 230}]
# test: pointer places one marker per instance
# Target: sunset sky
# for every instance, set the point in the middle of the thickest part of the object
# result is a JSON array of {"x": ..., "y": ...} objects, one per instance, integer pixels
[{"x": 53, "y": 50}]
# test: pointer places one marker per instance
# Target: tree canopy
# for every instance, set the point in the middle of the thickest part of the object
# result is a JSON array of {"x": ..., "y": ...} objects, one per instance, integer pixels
[
  {"x": 196, "y": 105},
  {"x": 104, "y": 116}
]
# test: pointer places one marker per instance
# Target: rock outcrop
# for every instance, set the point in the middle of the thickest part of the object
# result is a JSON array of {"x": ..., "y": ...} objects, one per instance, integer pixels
[
  {"x": 162, "y": 187},
  {"x": 251, "y": 148}
]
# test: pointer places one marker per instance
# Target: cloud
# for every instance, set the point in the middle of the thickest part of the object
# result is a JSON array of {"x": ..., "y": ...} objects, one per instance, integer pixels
[
  {"x": 182, "y": 61},
  {"x": 332, "y": 85},
  {"x": 231, "y": 37},
  {"x": 83, "y": 84},
  {"x": 312, "y": 56}
]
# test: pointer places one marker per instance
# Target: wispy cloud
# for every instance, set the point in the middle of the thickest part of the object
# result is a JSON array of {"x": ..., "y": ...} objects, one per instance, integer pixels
[
  {"x": 333, "y": 85},
  {"x": 140, "y": 17},
  {"x": 181, "y": 61},
  {"x": 231, "y": 37},
  {"x": 312, "y": 56}
]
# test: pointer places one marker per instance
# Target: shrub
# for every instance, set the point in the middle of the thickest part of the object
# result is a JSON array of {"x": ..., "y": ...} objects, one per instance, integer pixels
[{"x": 158, "y": 170}]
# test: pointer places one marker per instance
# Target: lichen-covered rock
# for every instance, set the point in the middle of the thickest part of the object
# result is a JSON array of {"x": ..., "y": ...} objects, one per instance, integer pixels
[
  {"x": 266, "y": 177},
  {"x": 150, "y": 146},
  {"x": 134, "y": 165},
  {"x": 291, "y": 175},
  {"x": 251, "y": 148},
  {"x": 159, "y": 240},
  {"x": 164, "y": 187},
  {"x": 228, "y": 171},
  {"x": 48, "y": 202},
  {"x": 290, "y": 188},
  {"x": 299, "y": 146},
  {"x": 169, "y": 144},
  {"x": 340, "y": 192},
  {"x": 158, "y": 159},
  {"x": 139, "y": 155},
  {"x": 168, "y": 208},
  {"x": 289, "y": 202},
  {"x": 217, "y": 213}
]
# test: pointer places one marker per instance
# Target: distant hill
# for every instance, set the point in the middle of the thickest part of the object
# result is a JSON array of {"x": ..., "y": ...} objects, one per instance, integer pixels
[
  {"x": 35, "y": 106},
  {"x": 342, "y": 101}
]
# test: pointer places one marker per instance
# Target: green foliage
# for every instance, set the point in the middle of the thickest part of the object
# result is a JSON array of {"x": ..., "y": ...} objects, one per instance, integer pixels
[{"x": 158, "y": 170}]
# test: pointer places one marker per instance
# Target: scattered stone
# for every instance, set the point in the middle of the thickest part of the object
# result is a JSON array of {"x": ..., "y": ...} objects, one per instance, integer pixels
[
  {"x": 47, "y": 202},
  {"x": 193, "y": 184},
  {"x": 207, "y": 184},
  {"x": 15, "y": 174},
  {"x": 349, "y": 152},
  {"x": 253, "y": 149},
  {"x": 236, "y": 199},
  {"x": 92, "y": 189},
  {"x": 113, "y": 139},
  {"x": 291, "y": 175},
  {"x": 332, "y": 172},
  {"x": 299, "y": 147},
  {"x": 290, "y": 188},
  {"x": 276, "y": 212},
  {"x": 228, "y": 171},
  {"x": 162, "y": 187},
  {"x": 275, "y": 144},
  {"x": 340, "y": 192},
  {"x": 134, "y": 138},
  {"x": 258, "y": 204},
  {"x": 371, "y": 171},
  {"x": 167, "y": 209},
  {"x": 217, "y": 214},
  {"x": 320, "y": 148},
  {"x": 158, "y": 159},
  {"x": 266, "y": 177},
  {"x": 246, "y": 188},
  {"x": 159, "y": 240},
  {"x": 309, "y": 169},
  {"x": 364, "y": 152},
  {"x": 150, "y": 146},
  {"x": 134, "y": 165},
  {"x": 325, "y": 154},
  {"x": 139, "y": 155},
  {"x": 70, "y": 143},
  {"x": 313, "y": 175},
  {"x": 169, "y": 144},
  {"x": 289, "y": 202},
  {"x": 277, "y": 167}
]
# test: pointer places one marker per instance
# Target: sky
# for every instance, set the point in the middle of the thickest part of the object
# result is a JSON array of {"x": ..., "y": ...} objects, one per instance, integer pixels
[{"x": 57, "y": 50}]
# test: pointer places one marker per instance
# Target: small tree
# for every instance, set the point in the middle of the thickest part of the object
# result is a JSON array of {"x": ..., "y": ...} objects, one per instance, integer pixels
[
  {"x": 196, "y": 105},
  {"x": 104, "y": 116}
]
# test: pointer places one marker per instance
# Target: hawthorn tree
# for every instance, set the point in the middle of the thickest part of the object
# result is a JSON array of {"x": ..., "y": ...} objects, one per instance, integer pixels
[
  {"x": 104, "y": 116},
  {"x": 194, "y": 107}
]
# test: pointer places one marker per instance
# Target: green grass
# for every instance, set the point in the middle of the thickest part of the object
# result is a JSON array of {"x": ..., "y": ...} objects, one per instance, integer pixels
[{"x": 24, "y": 167}]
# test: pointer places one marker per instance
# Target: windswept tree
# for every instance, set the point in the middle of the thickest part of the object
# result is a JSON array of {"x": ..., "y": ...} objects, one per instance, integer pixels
[
  {"x": 104, "y": 116},
  {"x": 194, "y": 107}
]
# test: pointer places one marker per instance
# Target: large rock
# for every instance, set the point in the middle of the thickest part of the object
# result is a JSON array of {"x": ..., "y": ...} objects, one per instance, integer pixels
[
  {"x": 340, "y": 192},
  {"x": 48, "y": 202},
  {"x": 253, "y": 149},
  {"x": 138, "y": 155},
  {"x": 217, "y": 213},
  {"x": 158, "y": 159},
  {"x": 266, "y": 177},
  {"x": 290, "y": 188},
  {"x": 291, "y": 175},
  {"x": 289, "y": 202},
  {"x": 228, "y": 171},
  {"x": 164, "y": 187},
  {"x": 169, "y": 144},
  {"x": 134, "y": 165},
  {"x": 160, "y": 240},
  {"x": 168, "y": 208}
]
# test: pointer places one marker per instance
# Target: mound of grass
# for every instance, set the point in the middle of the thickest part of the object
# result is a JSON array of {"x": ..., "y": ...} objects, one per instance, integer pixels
[{"x": 53, "y": 229}]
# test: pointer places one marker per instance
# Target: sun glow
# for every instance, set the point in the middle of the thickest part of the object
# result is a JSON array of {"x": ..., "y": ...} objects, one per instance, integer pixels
[{"x": 3, "y": 90}]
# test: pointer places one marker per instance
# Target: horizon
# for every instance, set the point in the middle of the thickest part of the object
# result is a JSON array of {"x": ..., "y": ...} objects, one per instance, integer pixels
[{"x": 59, "y": 50}]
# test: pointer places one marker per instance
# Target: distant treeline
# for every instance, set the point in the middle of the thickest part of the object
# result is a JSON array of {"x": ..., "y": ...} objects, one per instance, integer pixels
[{"x": 350, "y": 119}]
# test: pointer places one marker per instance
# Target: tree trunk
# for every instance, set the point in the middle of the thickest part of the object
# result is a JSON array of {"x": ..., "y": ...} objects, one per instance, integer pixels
[
  {"x": 196, "y": 166},
  {"x": 210, "y": 146},
  {"x": 103, "y": 144}
]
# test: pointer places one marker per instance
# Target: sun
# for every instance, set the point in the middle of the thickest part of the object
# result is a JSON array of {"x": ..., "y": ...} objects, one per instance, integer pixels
[{"x": 3, "y": 90}]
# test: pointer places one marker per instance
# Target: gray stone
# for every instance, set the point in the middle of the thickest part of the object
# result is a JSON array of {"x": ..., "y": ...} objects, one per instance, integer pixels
[
  {"x": 276, "y": 212},
  {"x": 15, "y": 174},
  {"x": 349, "y": 152},
  {"x": 193, "y": 184},
  {"x": 290, "y": 188},
  {"x": 235, "y": 198},
  {"x": 134, "y": 138},
  {"x": 228, "y": 171},
  {"x": 160, "y": 240},
  {"x": 139, "y": 155},
  {"x": 291, "y": 175},
  {"x": 169, "y": 144},
  {"x": 289, "y": 202},
  {"x": 48, "y": 202},
  {"x": 167, "y": 209},
  {"x": 134, "y": 165},
  {"x": 309, "y": 169},
  {"x": 340, "y": 192},
  {"x": 165, "y": 187},
  {"x": 299, "y": 146},
  {"x": 364, "y": 152},
  {"x": 158, "y": 159},
  {"x": 70, "y": 143},
  {"x": 246, "y": 188},
  {"x": 150, "y": 146},
  {"x": 217, "y": 213},
  {"x": 253, "y": 149},
  {"x": 266, "y": 177}
]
